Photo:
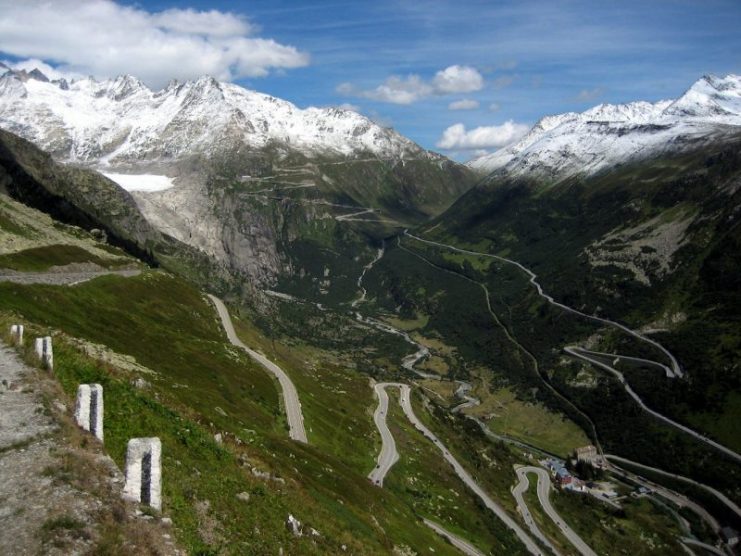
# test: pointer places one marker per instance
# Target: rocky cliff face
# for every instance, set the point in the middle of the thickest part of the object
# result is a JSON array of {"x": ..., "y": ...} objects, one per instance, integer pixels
[
  {"x": 246, "y": 175},
  {"x": 87, "y": 199}
]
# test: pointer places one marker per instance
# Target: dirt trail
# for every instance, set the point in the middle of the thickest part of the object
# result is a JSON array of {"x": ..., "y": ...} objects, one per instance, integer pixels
[{"x": 54, "y": 495}]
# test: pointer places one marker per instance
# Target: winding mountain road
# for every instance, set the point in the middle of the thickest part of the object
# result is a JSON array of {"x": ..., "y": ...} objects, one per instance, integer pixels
[
  {"x": 584, "y": 355},
  {"x": 461, "y": 544},
  {"x": 388, "y": 455},
  {"x": 518, "y": 492},
  {"x": 675, "y": 369},
  {"x": 291, "y": 401},
  {"x": 406, "y": 405},
  {"x": 544, "y": 488},
  {"x": 730, "y": 504}
]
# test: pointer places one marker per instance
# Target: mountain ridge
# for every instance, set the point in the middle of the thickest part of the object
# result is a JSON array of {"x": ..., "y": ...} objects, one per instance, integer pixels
[
  {"x": 122, "y": 119},
  {"x": 564, "y": 145}
]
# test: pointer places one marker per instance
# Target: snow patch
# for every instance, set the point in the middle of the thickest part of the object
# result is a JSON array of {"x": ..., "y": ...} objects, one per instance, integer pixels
[{"x": 141, "y": 182}]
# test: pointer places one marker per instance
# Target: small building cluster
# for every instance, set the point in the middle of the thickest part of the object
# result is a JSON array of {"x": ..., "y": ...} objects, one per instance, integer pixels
[
  {"x": 588, "y": 454},
  {"x": 566, "y": 480}
]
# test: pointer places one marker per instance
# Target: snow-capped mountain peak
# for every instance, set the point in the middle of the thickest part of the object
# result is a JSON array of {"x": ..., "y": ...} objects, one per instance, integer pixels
[
  {"x": 121, "y": 119},
  {"x": 608, "y": 134}
]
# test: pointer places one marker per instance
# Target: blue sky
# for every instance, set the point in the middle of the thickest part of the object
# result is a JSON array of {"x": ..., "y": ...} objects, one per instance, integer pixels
[{"x": 532, "y": 58}]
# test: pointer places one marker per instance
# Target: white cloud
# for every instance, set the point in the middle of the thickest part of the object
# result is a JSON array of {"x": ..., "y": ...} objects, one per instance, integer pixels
[
  {"x": 463, "y": 104},
  {"x": 212, "y": 23},
  {"x": 494, "y": 107},
  {"x": 411, "y": 88},
  {"x": 104, "y": 39},
  {"x": 396, "y": 90},
  {"x": 49, "y": 71},
  {"x": 458, "y": 79},
  {"x": 485, "y": 137}
]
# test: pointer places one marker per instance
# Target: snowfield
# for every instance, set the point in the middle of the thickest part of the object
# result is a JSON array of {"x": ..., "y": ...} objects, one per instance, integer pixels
[
  {"x": 611, "y": 134},
  {"x": 141, "y": 182},
  {"x": 120, "y": 120}
]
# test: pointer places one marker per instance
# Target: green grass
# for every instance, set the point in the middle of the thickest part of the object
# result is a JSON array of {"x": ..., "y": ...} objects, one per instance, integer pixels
[
  {"x": 170, "y": 328},
  {"x": 530, "y": 422},
  {"x": 337, "y": 401},
  {"x": 437, "y": 492},
  {"x": 42, "y": 258},
  {"x": 9, "y": 224},
  {"x": 641, "y": 528},
  {"x": 166, "y": 325}
]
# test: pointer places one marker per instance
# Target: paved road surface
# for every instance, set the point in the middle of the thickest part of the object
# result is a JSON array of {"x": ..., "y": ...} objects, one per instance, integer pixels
[
  {"x": 406, "y": 405},
  {"x": 675, "y": 370},
  {"x": 679, "y": 500},
  {"x": 518, "y": 491},
  {"x": 290, "y": 396},
  {"x": 461, "y": 544},
  {"x": 544, "y": 488},
  {"x": 388, "y": 455},
  {"x": 704, "y": 546},
  {"x": 719, "y": 495},
  {"x": 583, "y": 354}
]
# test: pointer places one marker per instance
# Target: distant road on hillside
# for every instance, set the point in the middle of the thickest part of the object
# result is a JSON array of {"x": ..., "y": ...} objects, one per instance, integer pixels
[
  {"x": 295, "y": 418},
  {"x": 544, "y": 487},
  {"x": 388, "y": 455}
]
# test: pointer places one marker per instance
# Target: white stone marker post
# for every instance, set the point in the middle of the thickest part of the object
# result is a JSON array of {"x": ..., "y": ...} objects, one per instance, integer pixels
[
  {"x": 38, "y": 347},
  {"x": 44, "y": 352},
  {"x": 143, "y": 472},
  {"x": 89, "y": 409},
  {"x": 48, "y": 357},
  {"x": 16, "y": 334}
]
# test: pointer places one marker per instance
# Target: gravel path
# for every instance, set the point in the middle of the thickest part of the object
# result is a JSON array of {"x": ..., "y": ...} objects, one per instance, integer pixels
[
  {"x": 28, "y": 495},
  {"x": 61, "y": 278}
]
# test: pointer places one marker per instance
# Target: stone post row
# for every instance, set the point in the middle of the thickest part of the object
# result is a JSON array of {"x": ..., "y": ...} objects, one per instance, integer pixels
[{"x": 89, "y": 409}]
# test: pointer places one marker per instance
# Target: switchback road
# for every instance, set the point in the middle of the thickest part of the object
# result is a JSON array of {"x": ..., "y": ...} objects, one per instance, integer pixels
[
  {"x": 586, "y": 356},
  {"x": 544, "y": 488},
  {"x": 294, "y": 416},
  {"x": 406, "y": 405},
  {"x": 388, "y": 455},
  {"x": 675, "y": 369}
]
